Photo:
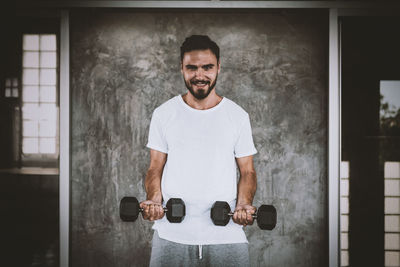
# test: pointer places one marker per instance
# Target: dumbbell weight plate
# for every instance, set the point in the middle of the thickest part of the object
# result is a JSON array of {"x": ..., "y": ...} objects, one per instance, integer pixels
[
  {"x": 266, "y": 217},
  {"x": 175, "y": 210},
  {"x": 220, "y": 213},
  {"x": 129, "y": 209}
]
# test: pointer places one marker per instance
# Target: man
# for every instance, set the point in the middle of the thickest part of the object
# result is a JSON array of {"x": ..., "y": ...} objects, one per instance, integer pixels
[{"x": 195, "y": 142}]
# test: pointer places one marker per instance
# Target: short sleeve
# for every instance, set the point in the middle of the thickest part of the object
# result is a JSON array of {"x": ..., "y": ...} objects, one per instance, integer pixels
[
  {"x": 156, "y": 138},
  {"x": 244, "y": 145}
]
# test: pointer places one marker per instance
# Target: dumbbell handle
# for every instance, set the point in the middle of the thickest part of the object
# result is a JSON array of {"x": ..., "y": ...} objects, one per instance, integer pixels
[
  {"x": 164, "y": 208},
  {"x": 252, "y": 215}
]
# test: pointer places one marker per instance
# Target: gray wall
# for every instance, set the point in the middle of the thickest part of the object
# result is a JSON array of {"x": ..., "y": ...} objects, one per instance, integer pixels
[{"x": 126, "y": 63}]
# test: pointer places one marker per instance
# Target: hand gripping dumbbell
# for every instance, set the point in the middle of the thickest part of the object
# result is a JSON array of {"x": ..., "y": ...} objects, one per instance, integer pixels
[
  {"x": 266, "y": 215},
  {"x": 129, "y": 209}
]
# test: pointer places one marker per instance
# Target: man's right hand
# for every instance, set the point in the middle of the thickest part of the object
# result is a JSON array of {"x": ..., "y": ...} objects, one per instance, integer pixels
[{"x": 152, "y": 210}]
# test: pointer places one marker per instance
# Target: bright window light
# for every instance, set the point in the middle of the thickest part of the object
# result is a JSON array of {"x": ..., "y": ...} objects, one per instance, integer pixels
[
  {"x": 31, "y": 60},
  {"x": 392, "y": 213},
  {"x": 392, "y": 259},
  {"x": 48, "y": 42},
  {"x": 39, "y": 94},
  {"x": 47, "y": 145},
  {"x": 31, "y": 146},
  {"x": 344, "y": 211},
  {"x": 31, "y": 42},
  {"x": 344, "y": 258},
  {"x": 392, "y": 241},
  {"x": 30, "y": 77},
  {"x": 30, "y": 93},
  {"x": 30, "y": 129},
  {"x": 48, "y": 60},
  {"x": 48, "y": 77},
  {"x": 11, "y": 87},
  {"x": 48, "y": 94}
]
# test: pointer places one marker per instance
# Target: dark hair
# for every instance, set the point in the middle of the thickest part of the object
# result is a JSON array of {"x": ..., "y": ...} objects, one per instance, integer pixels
[{"x": 199, "y": 42}]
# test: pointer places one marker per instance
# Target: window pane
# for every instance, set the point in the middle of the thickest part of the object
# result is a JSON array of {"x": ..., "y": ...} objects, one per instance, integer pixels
[
  {"x": 48, "y": 94},
  {"x": 48, "y": 60},
  {"x": 30, "y": 145},
  {"x": 48, "y": 42},
  {"x": 47, "y": 129},
  {"x": 15, "y": 82},
  {"x": 30, "y": 60},
  {"x": 15, "y": 92},
  {"x": 30, "y": 94},
  {"x": 392, "y": 223},
  {"x": 48, "y": 77},
  {"x": 8, "y": 92},
  {"x": 8, "y": 82},
  {"x": 344, "y": 241},
  {"x": 47, "y": 145},
  {"x": 392, "y": 241},
  {"x": 31, "y": 42},
  {"x": 344, "y": 187},
  {"x": 30, "y": 129},
  {"x": 344, "y": 223},
  {"x": 30, "y": 111},
  {"x": 48, "y": 112},
  {"x": 30, "y": 77},
  {"x": 344, "y": 205},
  {"x": 392, "y": 187},
  {"x": 344, "y": 258},
  {"x": 392, "y": 205},
  {"x": 392, "y": 258},
  {"x": 392, "y": 170},
  {"x": 344, "y": 169}
]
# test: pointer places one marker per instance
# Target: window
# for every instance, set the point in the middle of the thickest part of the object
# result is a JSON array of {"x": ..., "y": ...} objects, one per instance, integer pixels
[
  {"x": 11, "y": 87},
  {"x": 390, "y": 128},
  {"x": 39, "y": 96},
  {"x": 344, "y": 213},
  {"x": 392, "y": 213}
]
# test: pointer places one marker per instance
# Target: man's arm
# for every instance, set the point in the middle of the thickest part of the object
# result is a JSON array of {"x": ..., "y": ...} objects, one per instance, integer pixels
[
  {"x": 246, "y": 189},
  {"x": 152, "y": 207}
]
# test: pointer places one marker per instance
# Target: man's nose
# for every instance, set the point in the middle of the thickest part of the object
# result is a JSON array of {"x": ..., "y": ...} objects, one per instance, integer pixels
[{"x": 199, "y": 73}]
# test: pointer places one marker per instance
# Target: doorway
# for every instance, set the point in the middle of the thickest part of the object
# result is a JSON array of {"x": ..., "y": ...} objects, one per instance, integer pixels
[{"x": 370, "y": 197}]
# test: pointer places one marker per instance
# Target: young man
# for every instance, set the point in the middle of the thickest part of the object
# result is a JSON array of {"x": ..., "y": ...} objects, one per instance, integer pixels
[{"x": 195, "y": 142}]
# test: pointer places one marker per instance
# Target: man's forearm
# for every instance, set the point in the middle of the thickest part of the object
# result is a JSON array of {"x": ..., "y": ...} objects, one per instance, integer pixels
[
  {"x": 247, "y": 187},
  {"x": 153, "y": 185}
]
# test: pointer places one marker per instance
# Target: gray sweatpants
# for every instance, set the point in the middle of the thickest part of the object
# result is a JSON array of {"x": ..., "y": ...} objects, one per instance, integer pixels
[{"x": 166, "y": 253}]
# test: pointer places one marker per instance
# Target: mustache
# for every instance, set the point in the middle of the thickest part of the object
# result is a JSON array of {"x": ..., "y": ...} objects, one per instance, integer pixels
[{"x": 200, "y": 81}]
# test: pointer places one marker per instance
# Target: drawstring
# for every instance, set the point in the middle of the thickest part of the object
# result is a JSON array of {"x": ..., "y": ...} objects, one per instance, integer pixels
[{"x": 200, "y": 252}]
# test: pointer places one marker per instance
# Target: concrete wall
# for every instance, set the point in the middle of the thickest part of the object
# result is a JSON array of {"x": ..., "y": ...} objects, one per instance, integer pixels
[{"x": 126, "y": 63}]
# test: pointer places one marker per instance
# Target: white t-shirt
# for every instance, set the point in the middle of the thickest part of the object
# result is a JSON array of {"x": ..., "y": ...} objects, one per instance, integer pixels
[{"x": 201, "y": 167}]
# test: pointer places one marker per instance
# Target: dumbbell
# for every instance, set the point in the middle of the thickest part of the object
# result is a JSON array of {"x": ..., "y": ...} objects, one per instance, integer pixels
[
  {"x": 129, "y": 209},
  {"x": 266, "y": 215}
]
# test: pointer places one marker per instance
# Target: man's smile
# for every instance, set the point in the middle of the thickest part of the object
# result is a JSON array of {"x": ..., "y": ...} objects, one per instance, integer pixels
[{"x": 200, "y": 83}]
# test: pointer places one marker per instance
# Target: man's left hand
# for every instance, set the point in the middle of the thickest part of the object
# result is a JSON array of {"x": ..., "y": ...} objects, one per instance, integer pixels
[{"x": 242, "y": 214}]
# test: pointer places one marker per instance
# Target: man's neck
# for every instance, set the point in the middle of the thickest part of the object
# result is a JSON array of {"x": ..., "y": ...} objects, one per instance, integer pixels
[{"x": 209, "y": 102}]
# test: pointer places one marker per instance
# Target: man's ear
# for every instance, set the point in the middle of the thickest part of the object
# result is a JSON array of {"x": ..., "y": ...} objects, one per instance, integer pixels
[
  {"x": 181, "y": 67},
  {"x": 219, "y": 66}
]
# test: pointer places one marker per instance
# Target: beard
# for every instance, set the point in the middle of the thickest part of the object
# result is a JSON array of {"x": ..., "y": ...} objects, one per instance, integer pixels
[{"x": 201, "y": 93}]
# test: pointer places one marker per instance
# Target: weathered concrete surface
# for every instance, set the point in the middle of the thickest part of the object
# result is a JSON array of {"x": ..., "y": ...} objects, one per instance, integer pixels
[{"x": 125, "y": 63}]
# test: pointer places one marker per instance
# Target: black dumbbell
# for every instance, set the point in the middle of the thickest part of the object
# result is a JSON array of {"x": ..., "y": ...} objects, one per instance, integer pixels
[
  {"x": 129, "y": 209},
  {"x": 266, "y": 215}
]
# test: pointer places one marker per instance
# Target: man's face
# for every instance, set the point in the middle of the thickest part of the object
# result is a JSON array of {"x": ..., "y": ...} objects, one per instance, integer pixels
[{"x": 200, "y": 71}]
